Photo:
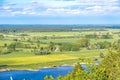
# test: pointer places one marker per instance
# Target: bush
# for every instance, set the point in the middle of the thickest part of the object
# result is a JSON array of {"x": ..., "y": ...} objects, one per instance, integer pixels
[
  {"x": 101, "y": 55},
  {"x": 103, "y": 45},
  {"x": 4, "y": 51},
  {"x": 42, "y": 53},
  {"x": 69, "y": 47},
  {"x": 84, "y": 42}
]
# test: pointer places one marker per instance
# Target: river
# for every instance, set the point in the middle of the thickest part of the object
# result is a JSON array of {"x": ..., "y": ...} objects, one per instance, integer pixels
[{"x": 37, "y": 75}]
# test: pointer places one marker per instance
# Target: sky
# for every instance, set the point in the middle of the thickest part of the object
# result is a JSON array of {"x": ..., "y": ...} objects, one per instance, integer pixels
[{"x": 59, "y": 11}]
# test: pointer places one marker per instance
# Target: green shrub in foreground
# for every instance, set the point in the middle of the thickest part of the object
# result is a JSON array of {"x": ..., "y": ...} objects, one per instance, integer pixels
[{"x": 109, "y": 69}]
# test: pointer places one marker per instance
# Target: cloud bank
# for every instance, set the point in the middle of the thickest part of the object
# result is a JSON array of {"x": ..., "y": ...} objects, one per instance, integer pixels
[{"x": 59, "y": 7}]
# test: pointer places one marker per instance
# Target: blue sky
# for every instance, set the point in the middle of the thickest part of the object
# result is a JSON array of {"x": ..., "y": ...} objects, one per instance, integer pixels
[{"x": 59, "y": 11}]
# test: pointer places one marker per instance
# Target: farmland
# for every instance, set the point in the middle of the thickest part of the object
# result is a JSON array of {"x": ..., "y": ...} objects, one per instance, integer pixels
[{"x": 32, "y": 49}]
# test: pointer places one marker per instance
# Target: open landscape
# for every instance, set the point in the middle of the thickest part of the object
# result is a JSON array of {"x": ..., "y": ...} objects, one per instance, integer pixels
[
  {"x": 48, "y": 49},
  {"x": 28, "y": 48},
  {"x": 59, "y": 39}
]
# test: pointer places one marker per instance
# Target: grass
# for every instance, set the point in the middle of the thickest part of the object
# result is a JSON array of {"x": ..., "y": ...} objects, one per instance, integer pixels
[
  {"x": 27, "y": 60},
  {"x": 73, "y": 40},
  {"x": 34, "y": 59},
  {"x": 2, "y": 42},
  {"x": 55, "y": 59}
]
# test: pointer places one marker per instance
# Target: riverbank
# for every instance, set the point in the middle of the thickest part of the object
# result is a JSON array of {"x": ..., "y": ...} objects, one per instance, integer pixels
[
  {"x": 39, "y": 65},
  {"x": 53, "y": 60},
  {"x": 2, "y": 70}
]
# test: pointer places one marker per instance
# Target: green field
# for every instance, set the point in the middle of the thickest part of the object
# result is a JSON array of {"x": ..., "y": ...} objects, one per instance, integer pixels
[
  {"x": 55, "y": 59},
  {"x": 24, "y": 58}
]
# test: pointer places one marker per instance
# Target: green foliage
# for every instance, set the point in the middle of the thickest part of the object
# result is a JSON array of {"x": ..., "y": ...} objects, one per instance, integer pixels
[
  {"x": 52, "y": 46},
  {"x": 4, "y": 51},
  {"x": 116, "y": 46},
  {"x": 109, "y": 69},
  {"x": 103, "y": 45},
  {"x": 100, "y": 36},
  {"x": 46, "y": 78},
  {"x": 69, "y": 47},
  {"x": 101, "y": 55},
  {"x": 1, "y": 37},
  {"x": 84, "y": 42},
  {"x": 42, "y": 51},
  {"x": 5, "y": 45},
  {"x": 49, "y": 77},
  {"x": 19, "y": 45},
  {"x": 112, "y": 65},
  {"x": 77, "y": 68},
  {"x": 59, "y": 78},
  {"x": 12, "y": 47},
  {"x": 90, "y": 36},
  {"x": 24, "y": 34}
]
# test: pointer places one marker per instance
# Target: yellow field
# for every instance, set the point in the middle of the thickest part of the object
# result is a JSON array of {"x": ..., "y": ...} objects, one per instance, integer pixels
[{"x": 34, "y": 59}]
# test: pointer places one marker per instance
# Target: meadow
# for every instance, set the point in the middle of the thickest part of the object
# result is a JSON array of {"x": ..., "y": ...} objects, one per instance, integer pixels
[
  {"x": 55, "y": 59},
  {"x": 29, "y": 50}
]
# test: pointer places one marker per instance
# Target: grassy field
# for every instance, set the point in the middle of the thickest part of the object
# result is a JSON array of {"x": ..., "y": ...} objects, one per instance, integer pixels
[
  {"x": 14, "y": 61},
  {"x": 26, "y": 59}
]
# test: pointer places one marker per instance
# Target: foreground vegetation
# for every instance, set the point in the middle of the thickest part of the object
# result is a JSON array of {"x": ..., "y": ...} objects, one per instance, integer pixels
[{"x": 108, "y": 69}]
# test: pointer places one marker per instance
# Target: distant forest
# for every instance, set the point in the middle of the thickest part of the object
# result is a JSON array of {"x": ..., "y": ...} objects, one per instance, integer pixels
[{"x": 55, "y": 28}]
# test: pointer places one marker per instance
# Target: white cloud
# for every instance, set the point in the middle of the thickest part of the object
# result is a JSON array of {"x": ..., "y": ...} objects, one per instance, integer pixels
[
  {"x": 62, "y": 11},
  {"x": 103, "y": 9},
  {"x": 97, "y": 0},
  {"x": 25, "y": 11},
  {"x": 6, "y": 7},
  {"x": 91, "y": 10},
  {"x": 84, "y": 7}
]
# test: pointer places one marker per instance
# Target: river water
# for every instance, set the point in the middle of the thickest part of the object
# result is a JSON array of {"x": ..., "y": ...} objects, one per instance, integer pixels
[{"x": 37, "y": 75}]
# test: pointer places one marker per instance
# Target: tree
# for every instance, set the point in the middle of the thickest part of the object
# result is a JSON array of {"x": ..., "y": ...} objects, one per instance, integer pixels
[
  {"x": 46, "y": 78},
  {"x": 19, "y": 45},
  {"x": 51, "y": 77},
  {"x": 4, "y": 51},
  {"x": 1, "y": 37},
  {"x": 116, "y": 46},
  {"x": 101, "y": 55},
  {"x": 103, "y": 45},
  {"x": 52, "y": 46},
  {"x": 1, "y": 50},
  {"x": 12, "y": 47},
  {"x": 77, "y": 67},
  {"x": 38, "y": 44},
  {"x": 42, "y": 51},
  {"x": 59, "y": 78},
  {"x": 5, "y": 45},
  {"x": 84, "y": 42},
  {"x": 69, "y": 47}
]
